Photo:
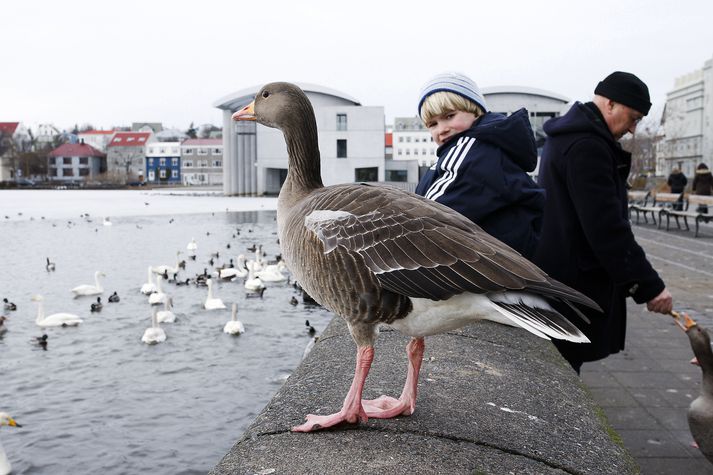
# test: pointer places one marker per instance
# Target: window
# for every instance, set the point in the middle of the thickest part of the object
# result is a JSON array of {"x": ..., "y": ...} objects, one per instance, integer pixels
[
  {"x": 174, "y": 150},
  {"x": 341, "y": 148},
  {"x": 217, "y": 151},
  {"x": 67, "y": 172},
  {"x": 400, "y": 152},
  {"x": 366, "y": 174},
  {"x": 174, "y": 162},
  {"x": 204, "y": 163},
  {"x": 408, "y": 139},
  {"x": 84, "y": 160},
  {"x": 174, "y": 173},
  {"x": 188, "y": 164},
  {"x": 150, "y": 150},
  {"x": 401, "y": 139},
  {"x": 129, "y": 139},
  {"x": 396, "y": 175},
  {"x": 141, "y": 139},
  {"x": 217, "y": 163},
  {"x": 162, "y": 162},
  {"x": 341, "y": 122},
  {"x": 84, "y": 172},
  {"x": 162, "y": 173},
  {"x": 150, "y": 162},
  {"x": 67, "y": 160},
  {"x": 187, "y": 151},
  {"x": 162, "y": 151},
  {"x": 202, "y": 151}
]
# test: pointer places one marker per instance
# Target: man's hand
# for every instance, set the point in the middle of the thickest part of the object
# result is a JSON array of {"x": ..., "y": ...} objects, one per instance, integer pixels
[{"x": 662, "y": 303}]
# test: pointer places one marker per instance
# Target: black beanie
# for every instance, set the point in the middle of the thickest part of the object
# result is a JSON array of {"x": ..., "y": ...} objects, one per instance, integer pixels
[{"x": 627, "y": 89}]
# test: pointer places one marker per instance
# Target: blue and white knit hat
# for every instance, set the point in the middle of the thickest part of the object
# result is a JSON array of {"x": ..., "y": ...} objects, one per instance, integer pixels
[{"x": 456, "y": 83}]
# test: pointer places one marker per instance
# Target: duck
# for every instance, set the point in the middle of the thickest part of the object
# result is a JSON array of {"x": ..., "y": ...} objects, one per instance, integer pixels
[
  {"x": 166, "y": 315},
  {"x": 154, "y": 334},
  {"x": 114, "y": 298},
  {"x": 42, "y": 341},
  {"x": 6, "y": 420},
  {"x": 293, "y": 300},
  {"x": 379, "y": 255},
  {"x": 50, "y": 265},
  {"x": 234, "y": 326},
  {"x": 86, "y": 289},
  {"x": 149, "y": 287},
  {"x": 9, "y": 305},
  {"x": 159, "y": 296},
  {"x": 310, "y": 329},
  {"x": 166, "y": 268},
  {"x": 700, "y": 411},
  {"x": 212, "y": 303},
  {"x": 97, "y": 306},
  {"x": 56, "y": 319}
]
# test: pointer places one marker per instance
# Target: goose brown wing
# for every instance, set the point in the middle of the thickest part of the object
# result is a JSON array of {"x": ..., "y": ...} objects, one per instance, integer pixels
[{"x": 420, "y": 248}]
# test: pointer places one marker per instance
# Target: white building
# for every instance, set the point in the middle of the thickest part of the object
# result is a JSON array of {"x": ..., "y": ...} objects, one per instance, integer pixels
[
  {"x": 202, "y": 162},
  {"x": 351, "y": 143},
  {"x": 99, "y": 139},
  {"x": 687, "y": 123}
]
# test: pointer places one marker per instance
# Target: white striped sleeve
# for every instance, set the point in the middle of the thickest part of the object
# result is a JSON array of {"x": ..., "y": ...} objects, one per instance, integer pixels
[{"x": 450, "y": 166}]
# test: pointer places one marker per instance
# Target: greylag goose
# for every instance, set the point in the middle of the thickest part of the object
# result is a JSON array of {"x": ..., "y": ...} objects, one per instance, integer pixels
[
  {"x": 700, "y": 412},
  {"x": 378, "y": 255}
]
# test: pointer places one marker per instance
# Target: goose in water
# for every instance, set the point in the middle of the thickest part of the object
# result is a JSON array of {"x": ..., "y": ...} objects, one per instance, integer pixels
[
  {"x": 9, "y": 305},
  {"x": 149, "y": 287},
  {"x": 154, "y": 334},
  {"x": 86, "y": 289},
  {"x": 165, "y": 269},
  {"x": 212, "y": 303},
  {"x": 379, "y": 255},
  {"x": 6, "y": 420},
  {"x": 50, "y": 265},
  {"x": 56, "y": 319},
  {"x": 97, "y": 306},
  {"x": 700, "y": 412},
  {"x": 166, "y": 315},
  {"x": 158, "y": 296},
  {"x": 234, "y": 326},
  {"x": 114, "y": 298}
]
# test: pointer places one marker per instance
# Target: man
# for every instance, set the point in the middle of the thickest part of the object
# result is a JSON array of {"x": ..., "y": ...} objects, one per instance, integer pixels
[{"x": 586, "y": 240}]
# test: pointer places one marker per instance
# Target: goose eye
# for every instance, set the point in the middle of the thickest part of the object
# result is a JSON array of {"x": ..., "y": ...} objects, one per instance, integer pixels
[{"x": 265, "y": 94}]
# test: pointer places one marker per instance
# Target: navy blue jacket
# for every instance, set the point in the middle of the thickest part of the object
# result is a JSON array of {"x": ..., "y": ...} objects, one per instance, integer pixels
[
  {"x": 586, "y": 241},
  {"x": 481, "y": 173}
]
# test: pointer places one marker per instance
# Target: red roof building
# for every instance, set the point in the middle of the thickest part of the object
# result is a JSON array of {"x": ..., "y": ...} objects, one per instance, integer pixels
[
  {"x": 75, "y": 161},
  {"x": 130, "y": 139},
  {"x": 8, "y": 128},
  {"x": 76, "y": 150}
]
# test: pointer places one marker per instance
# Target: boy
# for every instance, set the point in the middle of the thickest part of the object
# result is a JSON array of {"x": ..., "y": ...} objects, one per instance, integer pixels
[{"x": 482, "y": 162}]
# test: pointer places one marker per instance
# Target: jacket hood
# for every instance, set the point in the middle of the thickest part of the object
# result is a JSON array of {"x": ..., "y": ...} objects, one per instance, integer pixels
[
  {"x": 513, "y": 134},
  {"x": 580, "y": 118},
  {"x": 703, "y": 171}
]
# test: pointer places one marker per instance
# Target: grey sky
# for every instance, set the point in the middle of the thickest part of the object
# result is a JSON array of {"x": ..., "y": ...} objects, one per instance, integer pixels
[{"x": 107, "y": 64}]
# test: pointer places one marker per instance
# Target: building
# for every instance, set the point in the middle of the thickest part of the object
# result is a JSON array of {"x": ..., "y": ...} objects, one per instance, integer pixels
[
  {"x": 126, "y": 154},
  {"x": 351, "y": 142},
  {"x": 47, "y": 136},
  {"x": 163, "y": 162},
  {"x": 75, "y": 161},
  {"x": 99, "y": 139},
  {"x": 686, "y": 134},
  {"x": 202, "y": 161},
  {"x": 412, "y": 140},
  {"x": 14, "y": 139}
]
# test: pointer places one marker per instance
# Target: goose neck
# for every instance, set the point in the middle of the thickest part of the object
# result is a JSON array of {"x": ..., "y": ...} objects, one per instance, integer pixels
[
  {"x": 304, "y": 159},
  {"x": 40, "y": 312}
]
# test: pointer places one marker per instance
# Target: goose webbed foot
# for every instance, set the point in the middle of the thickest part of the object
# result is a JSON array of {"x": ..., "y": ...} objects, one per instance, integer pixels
[{"x": 346, "y": 415}]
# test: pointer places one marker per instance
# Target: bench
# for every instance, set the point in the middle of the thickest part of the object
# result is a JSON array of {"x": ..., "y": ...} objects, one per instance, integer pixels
[
  {"x": 637, "y": 199},
  {"x": 697, "y": 207},
  {"x": 661, "y": 202}
]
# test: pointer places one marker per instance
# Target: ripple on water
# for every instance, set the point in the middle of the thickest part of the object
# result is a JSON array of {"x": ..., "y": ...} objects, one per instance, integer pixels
[{"x": 99, "y": 400}]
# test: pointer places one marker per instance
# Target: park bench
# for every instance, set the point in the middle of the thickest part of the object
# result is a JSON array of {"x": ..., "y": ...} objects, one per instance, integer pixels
[
  {"x": 637, "y": 199},
  {"x": 660, "y": 203},
  {"x": 691, "y": 210}
]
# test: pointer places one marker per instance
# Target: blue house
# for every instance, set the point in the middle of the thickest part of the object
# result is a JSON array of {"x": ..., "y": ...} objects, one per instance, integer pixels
[{"x": 163, "y": 162}]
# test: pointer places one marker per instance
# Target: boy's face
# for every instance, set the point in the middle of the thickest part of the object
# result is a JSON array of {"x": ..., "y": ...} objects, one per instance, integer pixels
[{"x": 448, "y": 124}]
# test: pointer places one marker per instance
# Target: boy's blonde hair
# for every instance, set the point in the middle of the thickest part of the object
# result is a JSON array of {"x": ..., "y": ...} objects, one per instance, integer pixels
[{"x": 443, "y": 101}]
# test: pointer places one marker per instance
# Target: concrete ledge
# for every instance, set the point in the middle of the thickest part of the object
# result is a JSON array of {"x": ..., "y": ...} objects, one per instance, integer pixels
[{"x": 492, "y": 399}]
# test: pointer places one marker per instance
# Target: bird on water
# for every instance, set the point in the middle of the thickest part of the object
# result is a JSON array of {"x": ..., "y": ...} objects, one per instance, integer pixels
[{"x": 379, "y": 255}]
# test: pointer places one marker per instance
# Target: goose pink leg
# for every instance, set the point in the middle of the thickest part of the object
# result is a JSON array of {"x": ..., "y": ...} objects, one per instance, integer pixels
[
  {"x": 386, "y": 407},
  {"x": 352, "y": 410}
]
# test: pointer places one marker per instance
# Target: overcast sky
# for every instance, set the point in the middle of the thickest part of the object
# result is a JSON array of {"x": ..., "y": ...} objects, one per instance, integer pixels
[{"x": 80, "y": 61}]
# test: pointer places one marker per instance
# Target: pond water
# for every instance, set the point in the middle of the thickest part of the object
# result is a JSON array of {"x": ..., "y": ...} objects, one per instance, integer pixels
[{"x": 98, "y": 400}]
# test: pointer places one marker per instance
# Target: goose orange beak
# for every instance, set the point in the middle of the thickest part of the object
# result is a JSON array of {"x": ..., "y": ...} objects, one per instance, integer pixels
[
  {"x": 246, "y": 113},
  {"x": 11, "y": 422},
  {"x": 687, "y": 322}
]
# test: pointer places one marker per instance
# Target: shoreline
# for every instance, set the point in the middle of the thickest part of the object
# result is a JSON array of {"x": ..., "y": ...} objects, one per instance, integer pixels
[{"x": 26, "y": 205}]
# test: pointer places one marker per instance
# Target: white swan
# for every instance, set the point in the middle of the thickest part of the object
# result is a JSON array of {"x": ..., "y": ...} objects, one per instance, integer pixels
[
  {"x": 168, "y": 269},
  {"x": 56, "y": 319},
  {"x": 107, "y": 222},
  {"x": 273, "y": 273},
  {"x": 6, "y": 420},
  {"x": 192, "y": 246},
  {"x": 87, "y": 289},
  {"x": 234, "y": 326},
  {"x": 158, "y": 296},
  {"x": 149, "y": 287},
  {"x": 253, "y": 284},
  {"x": 154, "y": 334},
  {"x": 230, "y": 273},
  {"x": 166, "y": 315},
  {"x": 212, "y": 303}
]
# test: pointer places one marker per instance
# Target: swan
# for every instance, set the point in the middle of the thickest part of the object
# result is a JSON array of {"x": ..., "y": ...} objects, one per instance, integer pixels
[
  {"x": 273, "y": 273},
  {"x": 50, "y": 265},
  {"x": 234, "y": 326},
  {"x": 154, "y": 334},
  {"x": 107, "y": 222},
  {"x": 158, "y": 296},
  {"x": 166, "y": 315},
  {"x": 192, "y": 246},
  {"x": 212, "y": 303},
  {"x": 6, "y": 420},
  {"x": 253, "y": 283},
  {"x": 87, "y": 289},
  {"x": 149, "y": 287},
  {"x": 168, "y": 269},
  {"x": 56, "y": 319},
  {"x": 230, "y": 273}
]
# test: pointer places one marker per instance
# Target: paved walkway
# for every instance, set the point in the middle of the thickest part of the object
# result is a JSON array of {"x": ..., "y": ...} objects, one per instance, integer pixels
[{"x": 646, "y": 389}]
